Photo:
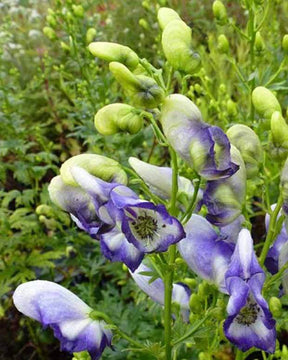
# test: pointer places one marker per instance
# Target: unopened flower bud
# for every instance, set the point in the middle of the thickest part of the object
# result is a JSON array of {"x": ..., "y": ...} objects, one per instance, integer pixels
[
  {"x": 223, "y": 44},
  {"x": 146, "y": 5},
  {"x": 97, "y": 165},
  {"x": 144, "y": 24},
  {"x": 248, "y": 143},
  {"x": 219, "y": 12},
  {"x": 166, "y": 15},
  {"x": 275, "y": 306},
  {"x": 177, "y": 47},
  {"x": 195, "y": 303},
  {"x": 279, "y": 136},
  {"x": 109, "y": 51},
  {"x": 90, "y": 35},
  {"x": 285, "y": 43},
  {"x": 49, "y": 32},
  {"x": 64, "y": 46},
  {"x": 232, "y": 108},
  {"x": 78, "y": 10},
  {"x": 70, "y": 252},
  {"x": 259, "y": 43},
  {"x": 50, "y": 224},
  {"x": 51, "y": 20},
  {"x": 192, "y": 283},
  {"x": 117, "y": 117},
  {"x": 44, "y": 210},
  {"x": 143, "y": 90},
  {"x": 265, "y": 102}
]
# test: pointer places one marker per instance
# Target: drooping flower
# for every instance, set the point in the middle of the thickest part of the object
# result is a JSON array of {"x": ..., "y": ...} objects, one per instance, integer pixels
[
  {"x": 159, "y": 179},
  {"x": 155, "y": 290},
  {"x": 204, "y": 147},
  {"x": 249, "y": 321},
  {"x": 224, "y": 198},
  {"x": 126, "y": 226},
  {"x": 147, "y": 226},
  {"x": 205, "y": 252},
  {"x": 272, "y": 258},
  {"x": 68, "y": 316}
]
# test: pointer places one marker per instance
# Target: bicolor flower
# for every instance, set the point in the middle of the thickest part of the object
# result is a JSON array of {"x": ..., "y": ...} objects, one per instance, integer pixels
[
  {"x": 155, "y": 290},
  {"x": 205, "y": 252},
  {"x": 204, "y": 147},
  {"x": 67, "y": 315},
  {"x": 224, "y": 198},
  {"x": 272, "y": 258},
  {"x": 147, "y": 226},
  {"x": 126, "y": 226},
  {"x": 159, "y": 179},
  {"x": 249, "y": 321}
]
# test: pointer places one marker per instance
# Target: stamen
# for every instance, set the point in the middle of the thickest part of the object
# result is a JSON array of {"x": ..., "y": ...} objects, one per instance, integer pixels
[
  {"x": 248, "y": 314},
  {"x": 145, "y": 226}
]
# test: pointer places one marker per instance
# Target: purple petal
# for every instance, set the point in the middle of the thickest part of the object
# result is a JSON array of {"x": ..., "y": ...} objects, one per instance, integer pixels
[
  {"x": 115, "y": 247},
  {"x": 250, "y": 322},
  {"x": 230, "y": 232},
  {"x": 206, "y": 148},
  {"x": 65, "y": 313},
  {"x": 224, "y": 198},
  {"x": 204, "y": 253}
]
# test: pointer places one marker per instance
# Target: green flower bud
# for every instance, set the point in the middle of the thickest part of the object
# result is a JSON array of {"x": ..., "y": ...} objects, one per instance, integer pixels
[
  {"x": 265, "y": 102},
  {"x": 285, "y": 43},
  {"x": 220, "y": 12},
  {"x": 146, "y": 5},
  {"x": 50, "y": 224},
  {"x": 192, "y": 283},
  {"x": 143, "y": 23},
  {"x": 177, "y": 47},
  {"x": 49, "y": 32},
  {"x": 248, "y": 143},
  {"x": 78, "y": 10},
  {"x": 195, "y": 303},
  {"x": 279, "y": 136},
  {"x": 64, "y": 46},
  {"x": 204, "y": 289},
  {"x": 143, "y": 90},
  {"x": 166, "y": 15},
  {"x": 275, "y": 306},
  {"x": 223, "y": 44},
  {"x": 90, "y": 35},
  {"x": 284, "y": 353},
  {"x": 114, "y": 52},
  {"x": 51, "y": 21},
  {"x": 70, "y": 252},
  {"x": 97, "y": 165},
  {"x": 44, "y": 210},
  {"x": 117, "y": 117},
  {"x": 259, "y": 43},
  {"x": 232, "y": 108}
]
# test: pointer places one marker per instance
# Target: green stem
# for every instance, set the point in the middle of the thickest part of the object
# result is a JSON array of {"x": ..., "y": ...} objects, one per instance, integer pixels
[
  {"x": 271, "y": 231},
  {"x": 264, "y": 16},
  {"x": 239, "y": 355},
  {"x": 252, "y": 36},
  {"x": 169, "y": 274},
  {"x": 275, "y": 277},
  {"x": 129, "y": 339},
  {"x": 192, "y": 331},
  {"x": 273, "y": 77},
  {"x": 157, "y": 130},
  {"x": 192, "y": 204}
]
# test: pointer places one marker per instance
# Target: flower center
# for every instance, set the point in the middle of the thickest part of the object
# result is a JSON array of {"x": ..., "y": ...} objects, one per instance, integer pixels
[
  {"x": 145, "y": 226},
  {"x": 248, "y": 314}
]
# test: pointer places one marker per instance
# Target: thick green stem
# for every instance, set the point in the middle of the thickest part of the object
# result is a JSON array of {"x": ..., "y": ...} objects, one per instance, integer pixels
[
  {"x": 192, "y": 204},
  {"x": 169, "y": 274},
  {"x": 271, "y": 231}
]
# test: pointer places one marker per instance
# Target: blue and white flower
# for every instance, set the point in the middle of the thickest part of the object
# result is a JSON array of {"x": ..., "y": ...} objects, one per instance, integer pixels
[
  {"x": 249, "y": 321},
  {"x": 155, "y": 290},
  {"x": 68, "y": 316}
]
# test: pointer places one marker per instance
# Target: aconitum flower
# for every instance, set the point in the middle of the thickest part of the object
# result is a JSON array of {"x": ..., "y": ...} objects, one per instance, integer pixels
[
  {"x": 68, "y": 316},
  {"x": 159, "y": 179},
  {"x": 204, "y": 147},
  {"x": 155, "y": 290},
  {"x": 205, "y": 252},
  {"x": 224, "y": 198},
  {"x": 126, "y": 226},
  {"x": 249, "y": 321},
  {"x": 272, "y": 258}
]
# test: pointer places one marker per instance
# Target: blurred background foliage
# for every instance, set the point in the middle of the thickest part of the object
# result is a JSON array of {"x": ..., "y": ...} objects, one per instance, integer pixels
[{"x": 50, "y": 89}]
